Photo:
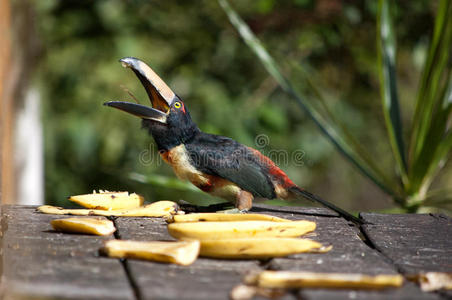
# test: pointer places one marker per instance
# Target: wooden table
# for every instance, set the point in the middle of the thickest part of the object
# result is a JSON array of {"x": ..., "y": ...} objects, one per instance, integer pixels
[{"x": 38, "y": 263}]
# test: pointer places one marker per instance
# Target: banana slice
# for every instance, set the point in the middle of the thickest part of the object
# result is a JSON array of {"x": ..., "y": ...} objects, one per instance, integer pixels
[
  {"x": 221, "y": 217},
  {"x": 257, "y": 247},
  {"x": 433, "y": 281},
  {"x": 287, "y": 279},
  {"x": 156, "y": 209},
  {"x": 181, "y": 252},
  {"x": 105, "y": 200},
  {"x": 239, "y": 229},
  {"x": 84, "y": 225}
]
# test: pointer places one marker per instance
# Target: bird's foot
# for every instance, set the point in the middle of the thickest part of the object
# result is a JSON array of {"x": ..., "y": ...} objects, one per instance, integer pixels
[{"x": 244, "y": 200}]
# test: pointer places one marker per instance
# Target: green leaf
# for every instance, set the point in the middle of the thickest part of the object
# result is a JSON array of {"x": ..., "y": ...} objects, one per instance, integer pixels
[
  {"x": 436, "y": 150},
  {"x": 332, "y": 131},
  {"x": 386, "y": 49},
  {"x": 163, "y": 181},
  {"x": 435, "y": 68},
  {"x": 433, "y": 107},
  {"x": 438, "y": 160}
]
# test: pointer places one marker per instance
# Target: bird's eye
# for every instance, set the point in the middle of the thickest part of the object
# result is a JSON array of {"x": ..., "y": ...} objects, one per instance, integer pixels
[{"x": 177, "y": 105}]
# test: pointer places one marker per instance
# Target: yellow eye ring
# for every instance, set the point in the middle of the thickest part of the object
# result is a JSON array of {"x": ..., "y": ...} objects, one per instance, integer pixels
[{"x": 177, "y": 105}]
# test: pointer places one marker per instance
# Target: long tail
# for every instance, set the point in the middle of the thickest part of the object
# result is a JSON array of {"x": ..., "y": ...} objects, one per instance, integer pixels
[{"x": 312, "y": 197}]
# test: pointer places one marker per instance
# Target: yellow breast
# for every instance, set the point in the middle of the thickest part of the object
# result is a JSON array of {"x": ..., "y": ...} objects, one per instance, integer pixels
[{"x": 178, "y": 158}]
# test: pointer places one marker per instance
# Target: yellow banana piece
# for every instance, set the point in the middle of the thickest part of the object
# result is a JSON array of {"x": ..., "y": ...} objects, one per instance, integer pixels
[
  {"x": 156, "y": 209},
  {"x": 288, "y": 279},
  {"x": 105, "y": 200},
  {"x": 258, "y": 248},
  {"x": 181, "y": 252},
  {"x": 202, "y": 217},
  {"x": 239, "y": 229},
  {"x": 84, "y": 225}
]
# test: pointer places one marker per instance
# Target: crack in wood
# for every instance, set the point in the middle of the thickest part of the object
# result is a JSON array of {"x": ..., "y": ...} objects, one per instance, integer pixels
[
  {"x": 125, "y": 265},
  {"x": 384, "y": 247},
  {"x": 368, "y": 242},
  {"x": 365, "y": 238},
  {"x": 371, "y": 241}
]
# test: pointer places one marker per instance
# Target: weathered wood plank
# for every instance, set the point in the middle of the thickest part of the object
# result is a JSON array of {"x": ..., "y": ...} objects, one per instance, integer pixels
[
  {"x": 409, "y": 292},
  {"x": 294, "y": 210},
  {"x": 205, "y": 279},
  {"x": 414, "y": 243},
  {"x": 157, "y": 281},
  {"x": 40, "y": 263},
  {"x": 349, "y": 255},
  {"x": 142, "y": 229}
]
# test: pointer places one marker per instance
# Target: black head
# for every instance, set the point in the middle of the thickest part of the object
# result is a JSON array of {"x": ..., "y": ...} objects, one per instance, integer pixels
[
  {"x": 178, "y": 128},
  {"x": 168, "y": 120}
]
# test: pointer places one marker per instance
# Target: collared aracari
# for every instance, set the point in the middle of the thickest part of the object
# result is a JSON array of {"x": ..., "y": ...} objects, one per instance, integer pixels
[{"x": 215, "y": 164}]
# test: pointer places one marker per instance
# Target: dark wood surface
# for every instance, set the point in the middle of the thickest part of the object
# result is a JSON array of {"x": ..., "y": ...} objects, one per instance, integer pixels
[{"x": 38, "y": 263}]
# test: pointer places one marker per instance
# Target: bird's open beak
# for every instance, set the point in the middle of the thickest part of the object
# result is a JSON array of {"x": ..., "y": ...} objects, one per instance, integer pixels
[
  {"x": 139, "y": 110},
  {"x": 159, "y": 93}
]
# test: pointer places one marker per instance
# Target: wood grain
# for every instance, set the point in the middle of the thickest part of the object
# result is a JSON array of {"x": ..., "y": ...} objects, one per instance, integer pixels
[
  {"x": 413, "y": 242},
  {"x": 38, "y": 262}
]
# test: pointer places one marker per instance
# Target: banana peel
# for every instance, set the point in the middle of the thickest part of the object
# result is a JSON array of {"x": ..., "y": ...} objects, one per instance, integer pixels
[
  {"x": 222, "y": 217},
  {"x": 289, "y": 279},
  {"x": 239, "y": 229},
  {"x": 258, "y": 248},
  {"x": 181, "y": 252},
  {"x": 105, "y": 200},
  {"x": 156, "y": 209},
  {"x": 84, "y": 225}
]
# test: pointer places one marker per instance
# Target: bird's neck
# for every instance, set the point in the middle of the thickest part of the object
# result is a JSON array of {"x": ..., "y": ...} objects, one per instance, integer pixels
[{"x": 172, "y": 137}]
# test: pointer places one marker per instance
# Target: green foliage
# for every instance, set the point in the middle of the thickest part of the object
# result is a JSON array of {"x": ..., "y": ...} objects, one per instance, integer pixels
[
  {"x": 343, "y": 141},
  {"x": 431, "y": 136},
  {"x": 326, "y": 47},
  {"x": 386, "y": 50}
]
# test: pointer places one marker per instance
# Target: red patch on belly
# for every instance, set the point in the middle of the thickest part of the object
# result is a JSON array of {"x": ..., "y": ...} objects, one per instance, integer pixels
[
  {"x": 214, "y": 182},
  {"x": 164, "y": 154},
  {"x": 205, "y": 187}
]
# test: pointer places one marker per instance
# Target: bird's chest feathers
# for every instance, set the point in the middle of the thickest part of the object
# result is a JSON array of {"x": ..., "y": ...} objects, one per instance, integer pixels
[{"x": 179, "y": 159}]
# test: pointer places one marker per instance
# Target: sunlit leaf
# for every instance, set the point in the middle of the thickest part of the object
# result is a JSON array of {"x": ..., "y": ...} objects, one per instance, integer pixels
[
  {"x": 428, "y": 146},
  {"x": 436, "y": 63}
]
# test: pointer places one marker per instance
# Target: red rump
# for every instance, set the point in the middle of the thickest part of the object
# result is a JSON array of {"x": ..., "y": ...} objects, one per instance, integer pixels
[
  {"x": 274, "y": 170},
  {"x": 206, "y": 187}
]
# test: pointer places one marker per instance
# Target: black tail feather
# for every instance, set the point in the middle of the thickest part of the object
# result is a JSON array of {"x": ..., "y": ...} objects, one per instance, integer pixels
[{"x": 340, "y": 211}]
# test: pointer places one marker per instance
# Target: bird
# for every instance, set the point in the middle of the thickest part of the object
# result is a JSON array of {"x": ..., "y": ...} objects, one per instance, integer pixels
[{"x": 215, "y": 164}]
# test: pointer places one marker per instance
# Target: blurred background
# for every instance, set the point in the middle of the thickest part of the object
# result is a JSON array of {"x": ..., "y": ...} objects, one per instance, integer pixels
[{"x": 60, "y": 63}]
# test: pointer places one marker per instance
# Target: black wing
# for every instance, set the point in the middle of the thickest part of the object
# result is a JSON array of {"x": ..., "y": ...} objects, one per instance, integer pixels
[{"x": 228, "y": 159}]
